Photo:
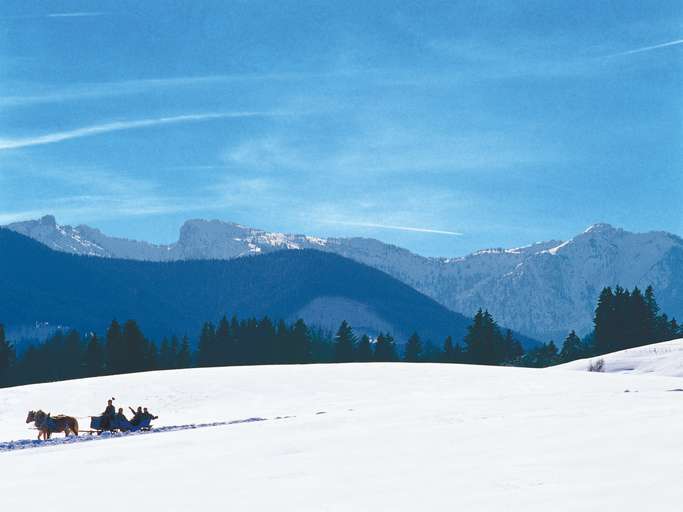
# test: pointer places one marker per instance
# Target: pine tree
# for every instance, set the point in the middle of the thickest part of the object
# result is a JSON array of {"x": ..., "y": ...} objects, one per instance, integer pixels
[
  {"x": 623, "y": 324},
  {"x": 344, "y": 342},
  {"x": 447, "y": 355},
  {"x": 70, "y": 356},
  {"x": 485, "y": 344},
  {"x": 540, "y": 357},
  {"x": 605, "y": 321},
  {"x": 301, "y": 342},
  {"x": 266, "y": 347},
  {"x": 136, "y": 347},
  {"x": 238, "y": 348},
  {"x": 165, "y": 359},
  {"x": 94, "y": 357},
  {"x": 7, "y": 358},
  {"x": 364, "y": 350},
  {"x": 572, "y": 348},
  {"x": 636, "y": 320},
  {"x": 173, "y": 356},
  {"x": 283, "y": 343},
  {"x": 115, "y": 350},
  {"x": 248, "y": 336},
  {"x": 29, "y": 367},
  {"x": 385, "y": 348},
  {"x": 206, "y": 352},
  {"x": 151, "y": 356},
  {"x": 652, "y": 314},
  {"x": 478, "y": 351},
  {"x": 224, "y": 346},
  {"x": 413, "y": 349},
  {"x": 551, "y": 354},
  {"x": 184, "y": 355},
  {"x": 512, "y": 348},
  {"x": 459, "y": 355}
]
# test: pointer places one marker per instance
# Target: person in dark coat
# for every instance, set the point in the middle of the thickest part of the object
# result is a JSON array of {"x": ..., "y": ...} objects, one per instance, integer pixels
[
  {"x": 149, "y": 415},
  {"x": 109, "y": 410},
  {"x": 108, "y": 414},
  {"x": 137, "y": 416}
]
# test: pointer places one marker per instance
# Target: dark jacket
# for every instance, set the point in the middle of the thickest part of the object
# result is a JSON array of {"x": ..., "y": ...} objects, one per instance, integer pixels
[{"x": 137, "y": 416}]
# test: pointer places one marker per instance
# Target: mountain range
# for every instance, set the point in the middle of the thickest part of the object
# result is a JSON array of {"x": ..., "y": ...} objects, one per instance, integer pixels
[
  {"x": 85, "y": 292},
  {"x": 543, "y": 290}
]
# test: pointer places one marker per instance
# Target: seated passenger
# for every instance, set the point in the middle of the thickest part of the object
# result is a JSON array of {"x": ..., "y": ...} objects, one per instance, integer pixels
[
  {"x": 137, "y": 415},
  {"x": 109, "y": 410},
  {"x": 108, "y": 415},
  {"x": 148, "y": 415}
]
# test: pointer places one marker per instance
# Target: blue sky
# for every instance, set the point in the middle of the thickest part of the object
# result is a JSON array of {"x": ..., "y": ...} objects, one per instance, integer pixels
[{"x": 475, "y": 124}]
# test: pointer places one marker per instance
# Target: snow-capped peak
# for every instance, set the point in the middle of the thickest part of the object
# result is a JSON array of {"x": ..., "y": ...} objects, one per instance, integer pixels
[
  {"x": 544, "y": 289},
  {"x": 600, "y": 227}
]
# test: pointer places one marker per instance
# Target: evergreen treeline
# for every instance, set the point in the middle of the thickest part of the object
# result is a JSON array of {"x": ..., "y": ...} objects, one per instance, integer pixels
[
  {"x": 124, "y": 348},
  {"x": 626, "y": 319},
  {"x": 623, "y": 319}
]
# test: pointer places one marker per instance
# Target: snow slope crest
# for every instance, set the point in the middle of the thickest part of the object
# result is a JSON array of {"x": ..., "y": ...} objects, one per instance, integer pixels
[{"x": 664, "y": 358}]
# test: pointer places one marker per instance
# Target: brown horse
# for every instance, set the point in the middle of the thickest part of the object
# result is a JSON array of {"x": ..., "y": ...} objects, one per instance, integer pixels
[{"x": 47, "y": 424}]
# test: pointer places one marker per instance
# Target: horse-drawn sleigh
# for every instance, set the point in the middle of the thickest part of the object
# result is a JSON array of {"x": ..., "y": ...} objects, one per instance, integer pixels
[{"x": 46, "y": 424}]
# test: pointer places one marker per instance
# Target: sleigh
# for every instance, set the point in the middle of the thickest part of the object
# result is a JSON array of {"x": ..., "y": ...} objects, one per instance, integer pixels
[{"x": 99, "y": 424}]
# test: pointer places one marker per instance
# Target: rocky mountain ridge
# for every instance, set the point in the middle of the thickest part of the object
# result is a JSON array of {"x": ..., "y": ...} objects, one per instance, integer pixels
[{"x": 543, "y": 290}]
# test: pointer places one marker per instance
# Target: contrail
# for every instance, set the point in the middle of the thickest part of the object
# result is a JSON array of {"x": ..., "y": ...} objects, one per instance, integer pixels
[
  {"x": 647, "y": 48},
  {"x": 74, "y": 14},
  {"x": 121, "y": 125},
  {"x": 399, "y": 228}
]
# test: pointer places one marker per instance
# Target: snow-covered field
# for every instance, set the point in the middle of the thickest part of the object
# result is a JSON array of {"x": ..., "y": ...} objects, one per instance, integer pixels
[
  {"x": 664, "y": 358},
  {"x": 355, "y": 438}
]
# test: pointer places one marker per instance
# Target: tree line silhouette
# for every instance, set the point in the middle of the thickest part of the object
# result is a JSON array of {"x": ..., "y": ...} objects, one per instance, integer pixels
[{"x": 623, "y": 319}]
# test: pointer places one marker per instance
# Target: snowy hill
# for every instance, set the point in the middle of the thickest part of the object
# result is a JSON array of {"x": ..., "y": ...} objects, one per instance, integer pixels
[
  {"x": 665, "y": 358},
  {"x": 543, "y": 290},
  {"x": 353, "y": 438}
]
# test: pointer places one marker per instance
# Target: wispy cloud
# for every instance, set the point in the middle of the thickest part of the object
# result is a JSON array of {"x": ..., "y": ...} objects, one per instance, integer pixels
[
  {"x": 141, "y": 86},
  {"x": 398, "y": 228},
  {"x": 88, "y": 131},
  {"x": 75, "y": 14},
  {"x": 647, "y": 48},
  {"x": 389, "y": 148}
]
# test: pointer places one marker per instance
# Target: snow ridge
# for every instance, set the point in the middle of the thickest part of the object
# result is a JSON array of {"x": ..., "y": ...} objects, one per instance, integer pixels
[{"x": 664, "y": 358}]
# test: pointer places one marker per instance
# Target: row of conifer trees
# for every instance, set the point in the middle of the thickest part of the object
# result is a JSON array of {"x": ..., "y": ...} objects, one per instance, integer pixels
[{"x": 623, "y": 319}]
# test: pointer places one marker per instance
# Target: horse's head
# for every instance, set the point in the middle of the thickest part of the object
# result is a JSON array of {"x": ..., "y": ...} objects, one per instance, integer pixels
[{"x": 31, "y": 416}]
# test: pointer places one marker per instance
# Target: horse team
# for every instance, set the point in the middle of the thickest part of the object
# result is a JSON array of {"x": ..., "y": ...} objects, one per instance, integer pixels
[{"x": 46, "y": 424}]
